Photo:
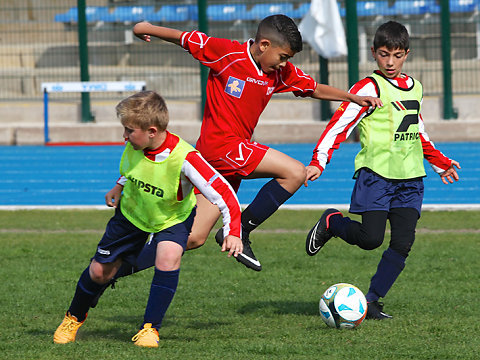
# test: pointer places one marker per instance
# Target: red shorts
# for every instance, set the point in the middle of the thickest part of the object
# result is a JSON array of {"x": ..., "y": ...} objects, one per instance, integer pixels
[{"x": 236, "y": 160}]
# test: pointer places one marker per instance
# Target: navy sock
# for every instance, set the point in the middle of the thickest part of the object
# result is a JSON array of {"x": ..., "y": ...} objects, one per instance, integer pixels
[
  {"x": 388, "y": 270},
  {"x": 85, "y": 292},
  {"x": 162, "y": 290},
  {"x": 338, "y": 225},
  {"x": 267, "y": 201}
]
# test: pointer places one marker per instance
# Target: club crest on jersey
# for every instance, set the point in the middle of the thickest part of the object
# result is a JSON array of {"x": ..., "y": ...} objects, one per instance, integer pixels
[{"x": 234, "y": 87}]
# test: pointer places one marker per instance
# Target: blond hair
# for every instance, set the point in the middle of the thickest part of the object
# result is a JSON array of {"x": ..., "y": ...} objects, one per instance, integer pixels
[{"x": 142, "y": 110}]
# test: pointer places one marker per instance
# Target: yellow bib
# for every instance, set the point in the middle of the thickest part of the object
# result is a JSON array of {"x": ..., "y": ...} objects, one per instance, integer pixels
[
  {"x": 149, "y": 197},
  {"x": 390, "y": 139}
]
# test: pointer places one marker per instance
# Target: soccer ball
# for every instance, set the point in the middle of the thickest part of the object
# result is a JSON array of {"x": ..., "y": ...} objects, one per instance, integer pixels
[{"x": 343, "y": 306}]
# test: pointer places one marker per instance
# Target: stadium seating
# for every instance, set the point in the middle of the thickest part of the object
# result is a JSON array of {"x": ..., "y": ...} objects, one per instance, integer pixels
[
  {"x": 461, "y": 6},
  {"x": 414, "y": 7},
  {"x": 92, "y": 13},
  {"x": 300, "y": 12},
  {"x": 236, "y": 11},
  {"x": 372, "y": 8},
  {"x": 175, "y": 13},
  {"x": 129, "y": 14},
  {"x": 227, "y": 12},
  {"x": 70, "y": 16},
  {"x": 260, "y": 11}
]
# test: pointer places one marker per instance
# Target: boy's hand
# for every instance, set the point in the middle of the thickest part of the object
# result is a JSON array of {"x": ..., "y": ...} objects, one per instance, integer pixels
[
  {"x": 450, "y": 175},
  {"x": 113, "y": 196},
  {"x": 367, "y": 101},
  {"x": 233, "y": 245},
  {"x": 140, "y": 30},
  {"x": 313, "y": 173}
]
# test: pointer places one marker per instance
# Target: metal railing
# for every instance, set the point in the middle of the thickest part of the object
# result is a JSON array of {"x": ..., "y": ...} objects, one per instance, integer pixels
[{"x": 39, "y": 42}]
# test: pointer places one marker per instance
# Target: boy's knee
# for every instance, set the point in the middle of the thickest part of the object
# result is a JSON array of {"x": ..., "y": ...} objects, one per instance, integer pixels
[
  {"x": 375, "y": 240},
  {"x": 299, "y": 173},
  {"x": 99, "y": 274},
  {"x": 195, "y": 241},
  {"x": 371, "y": 245},
  {"x": 366, "y": 239}
]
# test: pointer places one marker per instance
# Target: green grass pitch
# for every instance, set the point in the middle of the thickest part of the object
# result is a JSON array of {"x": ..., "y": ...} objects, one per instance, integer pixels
[{"x": 223, "y": 310}]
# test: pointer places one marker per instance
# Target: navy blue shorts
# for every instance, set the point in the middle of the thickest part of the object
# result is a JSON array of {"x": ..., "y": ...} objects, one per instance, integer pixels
[
  {"x": 373, "y": 192},
  {"x": 124, "y": 240}
]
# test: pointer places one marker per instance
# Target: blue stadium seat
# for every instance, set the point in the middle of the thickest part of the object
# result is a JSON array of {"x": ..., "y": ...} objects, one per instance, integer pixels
[
  {"x": 461, "y": 6},
  {"x": 93, "y": 14},
  {"x": 130, "y": 14},
  {"x": 96, "y": 13},
  {"x": 71, "y": 15},
  {"x": 260, "y": 11},
  {"x": 414, "y": 7},
  {"x": 432, "y": 7},
  {"x": 341, "y": 10},
  {"x": 372, "y": 8},
  {"x": 176, "y": 13},
  {"x": 300, "y": 12},
  {"x": 227, "y": 12}
]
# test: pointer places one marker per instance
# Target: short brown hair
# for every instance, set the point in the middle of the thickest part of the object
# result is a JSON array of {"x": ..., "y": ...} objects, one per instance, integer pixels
[
  {"x": 392, "y": 35},
  {"x": 280, "y": 30},
  {"x": 142, "y": 110}
]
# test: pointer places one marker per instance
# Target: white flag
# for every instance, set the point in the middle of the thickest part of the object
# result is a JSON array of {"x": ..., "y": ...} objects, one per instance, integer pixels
[{"x": 322, "y": 28}]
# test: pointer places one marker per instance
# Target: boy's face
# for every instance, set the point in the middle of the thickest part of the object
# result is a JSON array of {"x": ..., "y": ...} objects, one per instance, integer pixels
[
  {"x": 140, "y": 139},
  {"x": 273, "y": 58},
  {"x": 390, "y": 62}
]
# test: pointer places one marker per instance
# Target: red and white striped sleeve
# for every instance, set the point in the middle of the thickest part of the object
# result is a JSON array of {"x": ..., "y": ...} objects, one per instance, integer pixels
[
  {"x": 343, "y": 121},
  {"x": 435, "y": 157},
  {"x": 216, "y": 189}
]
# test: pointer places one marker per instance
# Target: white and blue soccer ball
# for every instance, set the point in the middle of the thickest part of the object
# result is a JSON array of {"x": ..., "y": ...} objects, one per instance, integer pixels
[{"x": 343, "y": 306}]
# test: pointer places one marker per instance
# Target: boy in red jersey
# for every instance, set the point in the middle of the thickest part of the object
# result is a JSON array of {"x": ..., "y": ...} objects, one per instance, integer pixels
[
  {"x": 242, "y": 79},
  {"x": 389, "y": 168}
]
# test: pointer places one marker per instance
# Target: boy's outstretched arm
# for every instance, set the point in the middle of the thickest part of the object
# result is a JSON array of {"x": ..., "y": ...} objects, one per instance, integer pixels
[
  {"x": 144, "y": 30},
  {"x": 450, "y": 175},
  {"x": 327, "y": 92}
]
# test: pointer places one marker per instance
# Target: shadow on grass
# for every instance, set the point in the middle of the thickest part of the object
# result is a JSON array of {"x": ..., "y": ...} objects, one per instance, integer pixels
[{"x": 280, "y": 308}]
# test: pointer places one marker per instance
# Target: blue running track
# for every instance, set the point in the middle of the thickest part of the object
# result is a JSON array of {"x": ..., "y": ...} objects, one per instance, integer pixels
[{"x": 81, "y": 175}]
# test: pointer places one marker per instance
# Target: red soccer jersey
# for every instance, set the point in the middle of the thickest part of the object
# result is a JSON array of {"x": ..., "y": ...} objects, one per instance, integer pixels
[{"x": 237, "y": 90}]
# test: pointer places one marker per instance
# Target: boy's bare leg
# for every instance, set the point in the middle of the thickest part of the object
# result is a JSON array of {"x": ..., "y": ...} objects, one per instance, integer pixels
[
  {"x": 288, "y": 172},
  {"x": 206, "y": 217}
]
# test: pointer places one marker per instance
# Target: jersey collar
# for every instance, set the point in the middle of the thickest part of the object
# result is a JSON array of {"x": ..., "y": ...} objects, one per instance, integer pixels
[{"x": 259, "y": 70}]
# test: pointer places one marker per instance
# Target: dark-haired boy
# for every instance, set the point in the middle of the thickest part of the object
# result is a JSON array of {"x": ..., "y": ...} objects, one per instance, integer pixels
[
  {"x": 389, "y": 167},
  {"x": 242, "y": 80}
]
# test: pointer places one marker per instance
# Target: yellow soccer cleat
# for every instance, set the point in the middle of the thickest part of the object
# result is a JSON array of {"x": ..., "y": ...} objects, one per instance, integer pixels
[
  {"x": 147, "y": 337},
  {"x": 67, "y": 330}
]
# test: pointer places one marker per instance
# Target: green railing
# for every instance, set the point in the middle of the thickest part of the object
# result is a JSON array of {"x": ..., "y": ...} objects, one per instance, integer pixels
[{"x": 39, "y": 42}]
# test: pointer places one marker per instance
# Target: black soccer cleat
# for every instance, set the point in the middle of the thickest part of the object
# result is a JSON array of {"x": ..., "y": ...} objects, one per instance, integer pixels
[
  {"x": 375, "y": 311},
  {"x": 246, "y": 257},
  {"x": 319, "y": 234}
]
